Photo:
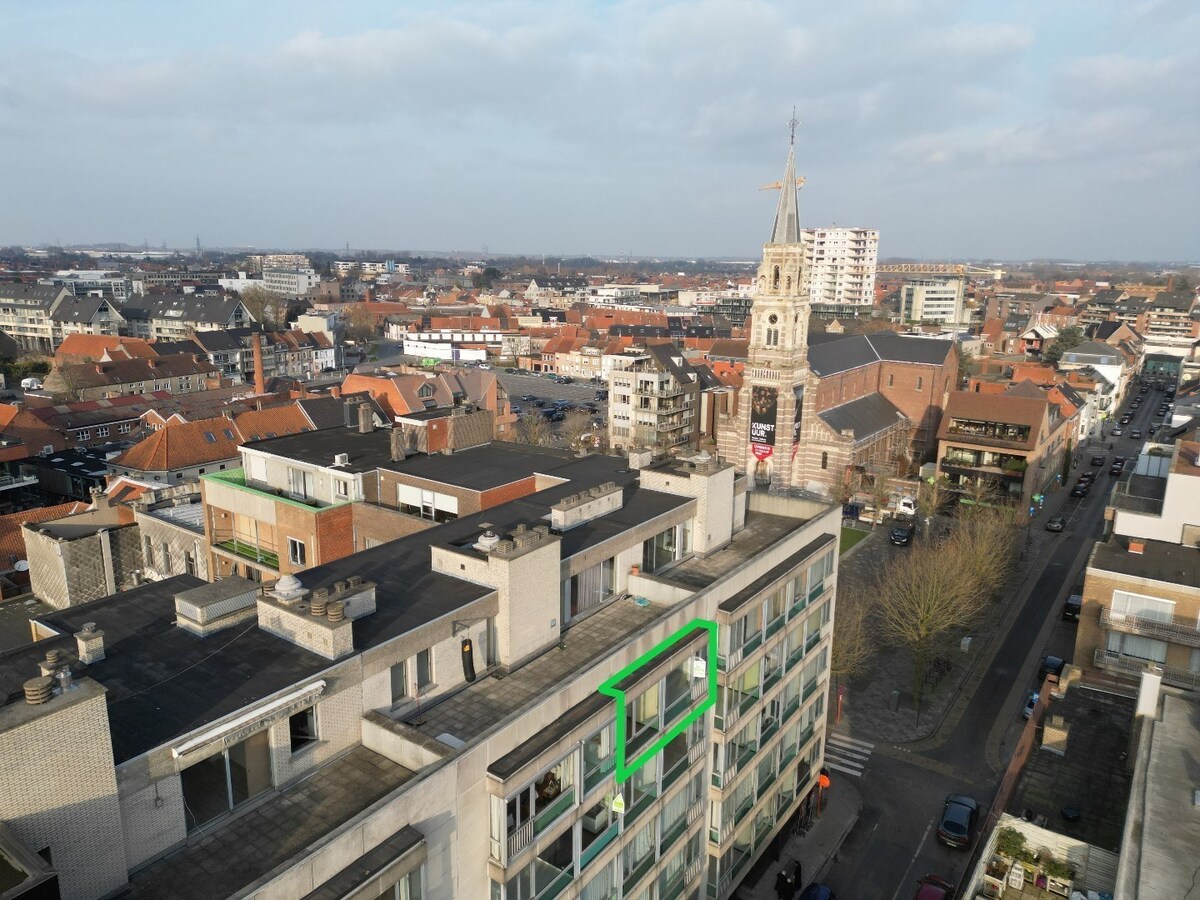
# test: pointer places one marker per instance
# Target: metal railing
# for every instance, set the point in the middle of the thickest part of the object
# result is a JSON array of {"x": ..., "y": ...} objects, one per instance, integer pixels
[
  {"x": 1134, "y": 665},
  {"x": 520, "y": 839},
  {"x": 1176, "y": 632}
]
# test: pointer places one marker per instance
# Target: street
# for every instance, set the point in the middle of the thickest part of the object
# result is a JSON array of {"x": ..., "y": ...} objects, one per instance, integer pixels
[{"x": 903, "y": 785}]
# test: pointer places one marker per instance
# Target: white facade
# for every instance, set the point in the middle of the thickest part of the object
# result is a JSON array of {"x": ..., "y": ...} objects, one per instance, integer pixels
[
  {"x": 841, "y": 264},
  {"x": 932, "y": 300},
  {"x": 290, "y": 282}
]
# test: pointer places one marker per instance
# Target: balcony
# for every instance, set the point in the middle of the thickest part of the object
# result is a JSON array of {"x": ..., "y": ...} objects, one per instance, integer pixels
[
  {"x": 1177, "y": 632},
  {"x": 660, "y": 391},
  {"x": 236, "y": 479},
  {"x": 1135, "y": 666},
  {"x": 250, "y": 552},
  {"x": 8, "y": 482}
]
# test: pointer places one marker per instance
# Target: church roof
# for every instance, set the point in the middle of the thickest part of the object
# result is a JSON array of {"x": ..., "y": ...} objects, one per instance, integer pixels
[
  {"x": 865, "y": 416},
  {"x": 787, "y": 214},
  {"x": 830, "y": 354}
]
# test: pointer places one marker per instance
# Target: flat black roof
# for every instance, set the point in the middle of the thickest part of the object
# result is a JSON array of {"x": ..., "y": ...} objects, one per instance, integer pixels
[
  {"x": 477, "y": 468},
  {"x": 163, "y": 681},
  {"x": 1159, "y": 560}
]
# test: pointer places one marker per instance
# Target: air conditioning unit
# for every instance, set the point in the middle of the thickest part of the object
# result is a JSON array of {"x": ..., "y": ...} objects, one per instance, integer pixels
[{"x": 342, "y": 459}]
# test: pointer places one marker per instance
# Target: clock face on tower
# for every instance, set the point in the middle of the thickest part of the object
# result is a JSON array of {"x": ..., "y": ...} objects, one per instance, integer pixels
[{"x": 773, "y": 319}]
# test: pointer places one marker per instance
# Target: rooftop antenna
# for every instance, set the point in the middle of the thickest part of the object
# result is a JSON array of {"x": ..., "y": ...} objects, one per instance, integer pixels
[
  {"x": 792, "y": 123},
  {"x": 197, "y": 245}
]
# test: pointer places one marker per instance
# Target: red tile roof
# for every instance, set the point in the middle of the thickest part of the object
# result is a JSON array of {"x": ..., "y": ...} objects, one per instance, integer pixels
[{"x": 12, "y": 538}]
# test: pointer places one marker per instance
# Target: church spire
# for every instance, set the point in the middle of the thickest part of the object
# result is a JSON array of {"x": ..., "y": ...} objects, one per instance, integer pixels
[{"x": 787, "y": 215}]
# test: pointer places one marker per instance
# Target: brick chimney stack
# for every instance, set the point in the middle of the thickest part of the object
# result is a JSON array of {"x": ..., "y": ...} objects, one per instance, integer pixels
[{"x": 260, "y": 379}]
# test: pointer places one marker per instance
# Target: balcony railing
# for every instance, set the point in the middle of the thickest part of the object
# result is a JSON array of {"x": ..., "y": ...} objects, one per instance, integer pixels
[
  {"x": 557, "y": 886},
  {"x": 1134, "y": 665},
  {"x": 520, "y": 839},
  {"x": 1173, "y": 631},
  {"x": 661, "y": 391},
  {"x": 592, "y": 850},
  {"x": 250, "y": 552}
]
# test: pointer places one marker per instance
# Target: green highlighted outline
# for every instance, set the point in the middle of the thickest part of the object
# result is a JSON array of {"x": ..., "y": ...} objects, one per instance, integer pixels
[{"x": 609, "y": 688}]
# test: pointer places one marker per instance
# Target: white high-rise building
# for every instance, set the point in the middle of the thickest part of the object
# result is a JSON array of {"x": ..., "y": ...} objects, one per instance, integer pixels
[
  {"x": 841, "y": 265},
  {"x": 932, "y": 300}
]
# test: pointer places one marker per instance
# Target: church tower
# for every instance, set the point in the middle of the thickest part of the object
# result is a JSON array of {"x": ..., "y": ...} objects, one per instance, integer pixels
[{"x": 771, "y": 400}]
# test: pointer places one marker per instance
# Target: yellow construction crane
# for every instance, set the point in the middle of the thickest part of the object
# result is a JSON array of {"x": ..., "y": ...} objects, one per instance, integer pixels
[{"x": 959, "y": 270}]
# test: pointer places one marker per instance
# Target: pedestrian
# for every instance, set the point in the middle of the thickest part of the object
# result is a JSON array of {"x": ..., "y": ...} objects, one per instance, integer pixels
[
  {"x": 797, "y": 879},
  {"x": 783, "y": 886}
]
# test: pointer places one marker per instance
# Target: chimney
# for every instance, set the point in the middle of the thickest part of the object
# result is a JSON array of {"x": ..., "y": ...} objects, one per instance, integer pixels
[
  {"x": 260, "y": 379},
  {"x": 39, "y": 690},
  {"x": 365, "y": 423},
  {"x": 90, "y": 643},
  {"x": 1137, "y": 546},
  {"x": 397, "y": 444}
]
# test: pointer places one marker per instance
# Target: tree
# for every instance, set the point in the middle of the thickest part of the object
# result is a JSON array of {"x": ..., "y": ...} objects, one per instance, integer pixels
[
  {"x": 360, "y": 322},
  {"x": 881, "y": 495},
  {"x": 845, "y": 489},
  {"x": 923, "y": 596},
  {"x": 1068, "y": 339},
  {"x": 534, "y": 429},
  {"x": 574, "y": 426},
  {"x": 967, "y": 365},
  {"x": 267, "y": 307},
  {"x": 853, "y": 644},
  {"x": 932, "y": 496}
]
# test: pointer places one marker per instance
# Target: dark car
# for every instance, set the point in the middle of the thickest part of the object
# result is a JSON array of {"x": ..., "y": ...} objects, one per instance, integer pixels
[
  {"x": 516, "y": 408},
  {"x": 509, "y": 370},
  {"x": 601, "y": 396},
  {"x": 933, "y": 888},
  {"x": 1115, "y": 469},
  {"x": 1097, "y": 460},
  {"x": 1051, "y": 665},
  {"x": 1081, "y": 489},
  {"x": 556, "y": 416},
  {"x": 1073, "y": 607},
  {"x": 566, "y": 379},
  {"x": 1117, "y": 432},
  {"x": 1136, "y": 434},
  {"x": 818, "y": 892},
  {"x": 902, "y": 534},
  {"x": 528, "y": 398},
  {"x": 1088, "y": 476},
  {"x": 538, "y": 402},
  {"x": 958, "y": 818},
  {"x": 1056, "y": 523}
]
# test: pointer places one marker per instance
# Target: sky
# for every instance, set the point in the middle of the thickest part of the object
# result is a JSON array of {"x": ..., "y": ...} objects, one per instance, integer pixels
[{"x": 961, "y": 130}]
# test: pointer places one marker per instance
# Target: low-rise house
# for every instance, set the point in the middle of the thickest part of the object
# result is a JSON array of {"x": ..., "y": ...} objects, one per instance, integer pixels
[{"x": 180, "y": 373}]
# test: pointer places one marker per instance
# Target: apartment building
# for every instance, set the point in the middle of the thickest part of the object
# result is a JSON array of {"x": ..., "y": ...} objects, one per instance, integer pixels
[
  {"x": 342, "y": 268},
  {"x": 290, "y": 282},
  {"x": 1115, "y": 364},
  {"x": 1141, "y": 593},
  {"x": 1172, "y": 321},
  {"x": 102, "y": 282},
  {"x": 932, "y": 300},
  {"x": 654, "y": 402},
  {"x": 177, "y": 316},
  {"x": 180, "y": 373},
  {"x": 1016, "y": 440},
  {"x": 38, "y": 317},
  {"x": 840, "y": 265},
  {"x": 514, "y": 703}
]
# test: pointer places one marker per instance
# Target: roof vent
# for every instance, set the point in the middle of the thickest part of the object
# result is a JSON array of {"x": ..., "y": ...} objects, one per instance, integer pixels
[
  {"x": 487, "y": 541},
  {"x": 288, "y": 588},
  {"x": 39, "y": 690},
  {"x": 1138, "y": 547}
]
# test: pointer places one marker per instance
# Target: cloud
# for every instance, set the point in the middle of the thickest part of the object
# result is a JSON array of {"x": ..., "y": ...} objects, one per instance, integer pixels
[{"x": 564, "y": 126}]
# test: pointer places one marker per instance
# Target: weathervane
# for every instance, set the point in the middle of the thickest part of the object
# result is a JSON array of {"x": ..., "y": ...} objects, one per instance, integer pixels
[{"x": 792, "y": 123}]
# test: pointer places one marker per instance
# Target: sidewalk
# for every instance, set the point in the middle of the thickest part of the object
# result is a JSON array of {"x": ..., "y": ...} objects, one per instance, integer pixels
[
  {"x": 816, "y": 849},
  {"x": 867, "y": 709}
]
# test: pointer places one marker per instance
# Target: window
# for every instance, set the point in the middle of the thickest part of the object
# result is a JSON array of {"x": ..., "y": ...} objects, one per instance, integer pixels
[
  {"x": 303, "y": 729},
  {"x": 424, "y": 669},
  {"x": 189, "y": 562},
  {"x": 341, "y": 488},
  {"x": 166, "y": 556},
  {"x": 891, "y": 380},
  {"x": 407, "y": 888},
  {"x": 83, "y": 434},
  {"x": 124, "y": 428},
  {"x": 296, "y": 552},
  {"x": 216, "y": 785},
  {"x": 102, "y": 431},
  {"x": 920, "y": 383},
  {"x": 824, "y": 460},
  {"x": 300, "y": 482},
  {"x": 399, "y": 682}
]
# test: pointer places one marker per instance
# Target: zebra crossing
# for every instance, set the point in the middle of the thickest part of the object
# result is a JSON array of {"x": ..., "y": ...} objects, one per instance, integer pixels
[{"x": 846, "y": 754}]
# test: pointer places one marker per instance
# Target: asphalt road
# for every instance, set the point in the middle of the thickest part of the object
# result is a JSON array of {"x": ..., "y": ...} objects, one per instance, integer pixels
[{"x": 895, "y": 841}]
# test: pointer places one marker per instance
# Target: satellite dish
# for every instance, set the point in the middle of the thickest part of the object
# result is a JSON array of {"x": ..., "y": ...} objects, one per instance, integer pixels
[{"x": 22, "y": 565}]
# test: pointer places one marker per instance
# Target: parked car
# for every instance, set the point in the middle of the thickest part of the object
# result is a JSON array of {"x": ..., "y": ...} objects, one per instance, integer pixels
[
  {"x": 818, "y": 892},
  {"x": 516, "y": 408},
  {"x": 1031, "y": 700},
  {"x": 484, "y": 366},
  {"x": 1051, "y": 665},
  {"x": 1073, "y": 607},
  {"x": 566, "y": 379},
  {"x": 1115, "y": 469},
  {"x": 509, "y": 370},
  {"x": 1117, "y": 432},
  {"x": 902, "y": 533},
  {"x": 528, "y": 398},
  {"x": 1056, "y": 523},
  {"x": 933, "y": 888},
  {"x": 538, "y": 402},
  {"x": 556, "y": 416},
  {"x": 1097, "y": 460},
  {"x": 958, "y": 818},
  {"x": 1089, "y": 476},
  {"x": 601, "y": 396}
]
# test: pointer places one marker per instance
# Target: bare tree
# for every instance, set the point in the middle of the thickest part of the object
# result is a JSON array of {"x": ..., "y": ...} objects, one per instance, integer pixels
[
  {"x": 360, "y": 322},
  {"x": 534, "y": 429},
  {"x": 267, "y": 307},
  {"x": 574, "y": 426},
  {"x": 853, "y": 645},
  {"x": 845, "y": 489},
  {"x": 881, "y": 495},
  {"x": 984, "y": 541},
  {"x": 922, "y": 597},
  {"x": 932, "y": 497}
]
